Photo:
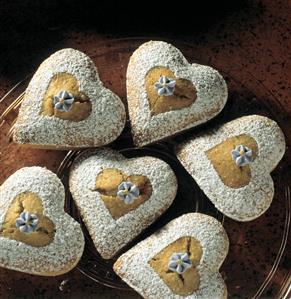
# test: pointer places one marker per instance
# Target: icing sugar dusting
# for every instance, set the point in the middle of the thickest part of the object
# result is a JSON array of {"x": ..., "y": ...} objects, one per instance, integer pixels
[
  {"x": 252, "y": 200},
  {"x": 210, "y": 85},
  {"x": 63, "y": 253},
  {"x": 110, "y": 235},
  {"x": 103, "y": 125},
  {"x": 134, "y": 268}
]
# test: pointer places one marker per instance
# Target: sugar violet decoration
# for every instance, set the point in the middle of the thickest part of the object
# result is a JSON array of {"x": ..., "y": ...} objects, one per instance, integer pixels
[
  {"x": 179, "y": 262},
  {"x": 165, "y": 86},
  {"x": 63, "y": 101},
  {"x": 242, "y": 155},
  {"x": 27, "y": 223},
  {"x": 128, "y": 192}
]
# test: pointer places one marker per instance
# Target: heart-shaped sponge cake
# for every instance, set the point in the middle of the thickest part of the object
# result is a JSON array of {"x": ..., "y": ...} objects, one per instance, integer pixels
[
  {"x": 67, "y": 106},
  {"x": 232, "y": 164},
  {"x": 166, "y": 94},
  {"x": 118, "y": 197},
  {"x": 36, "y": 235},
  {"x": 181, "y": 260}
]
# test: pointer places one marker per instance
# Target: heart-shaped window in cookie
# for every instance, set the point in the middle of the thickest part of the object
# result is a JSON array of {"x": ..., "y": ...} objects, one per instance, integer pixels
[
  {"x": 122, "y": 193},
  {"x": 25, "y": 222},
  {"x": 232, "y": 173},
  {"x": 64, "y": 100},
  {"x": 166, "y": 92},
  {"x": 176, "y": 265}
]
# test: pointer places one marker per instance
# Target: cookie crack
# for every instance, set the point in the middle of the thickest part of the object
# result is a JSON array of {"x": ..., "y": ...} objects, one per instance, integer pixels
[
  {"x": 180, "y": 276},
  {"x": 188, "y": 245}
]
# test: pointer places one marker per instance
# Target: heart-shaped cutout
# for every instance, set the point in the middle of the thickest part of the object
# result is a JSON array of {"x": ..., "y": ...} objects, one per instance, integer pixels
[
  {"x": 167, "y": 95},
  {"x": 187, "y": 282},
  {"x": 31, "y": 203},
  {"x": 232, "y": 164},
  {"x": 180, "y": 260},
  {"x": 36, "y": 235},
  {"x": 107, "y": 183},
  {"x": 66, "y": 106},
  {"x": 81, "y": 107},
  {"x": 146, "y": 188},
  {"x": 229, "y": 172},
  {"x": 183, "y": 96}
]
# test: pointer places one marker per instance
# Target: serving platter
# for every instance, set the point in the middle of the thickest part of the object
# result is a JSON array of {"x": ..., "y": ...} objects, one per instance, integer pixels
[{"x": 255, "y": 264}]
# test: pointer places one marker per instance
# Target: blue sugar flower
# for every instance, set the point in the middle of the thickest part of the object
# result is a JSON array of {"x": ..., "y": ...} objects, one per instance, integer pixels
[
  {"x": 165, "y": 86},
  {"x": 63, "y": 101},
  {"x": 27, "y": 223},
  {"x": 179, "y": 262},
  {"x": 242, "y": 155},
  {"x": 128, "y": 192}
]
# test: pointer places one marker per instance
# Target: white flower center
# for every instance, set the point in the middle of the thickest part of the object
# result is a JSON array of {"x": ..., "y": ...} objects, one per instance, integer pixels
[{"x": 62, "y": 101}]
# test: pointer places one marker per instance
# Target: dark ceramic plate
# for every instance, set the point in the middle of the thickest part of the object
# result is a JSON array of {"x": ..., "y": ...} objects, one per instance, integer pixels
[{"x": 256, "y": 265}]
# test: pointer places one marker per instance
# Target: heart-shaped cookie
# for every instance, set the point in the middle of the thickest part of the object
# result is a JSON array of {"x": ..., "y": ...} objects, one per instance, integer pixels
[
  {"x": 118, "y": 197},
  {"x": 36, "y": 235},
  {"x": 67, "y": 106},
  {"x": 167, "y": 95},
  {"x": 232, "y": 164},
  {"x": 181, "y": 260}
]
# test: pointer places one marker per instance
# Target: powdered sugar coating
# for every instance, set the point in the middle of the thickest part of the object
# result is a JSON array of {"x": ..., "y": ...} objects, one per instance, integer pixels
[
  {"x": 134, "y": 268},
  {"x": 103, "y": 125},
  {"x": 211, "y": 93},
  {"x": 248, "y": 202},
  {"x": 110, "y": 235},
  {"x": 66, "y": 249}
]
